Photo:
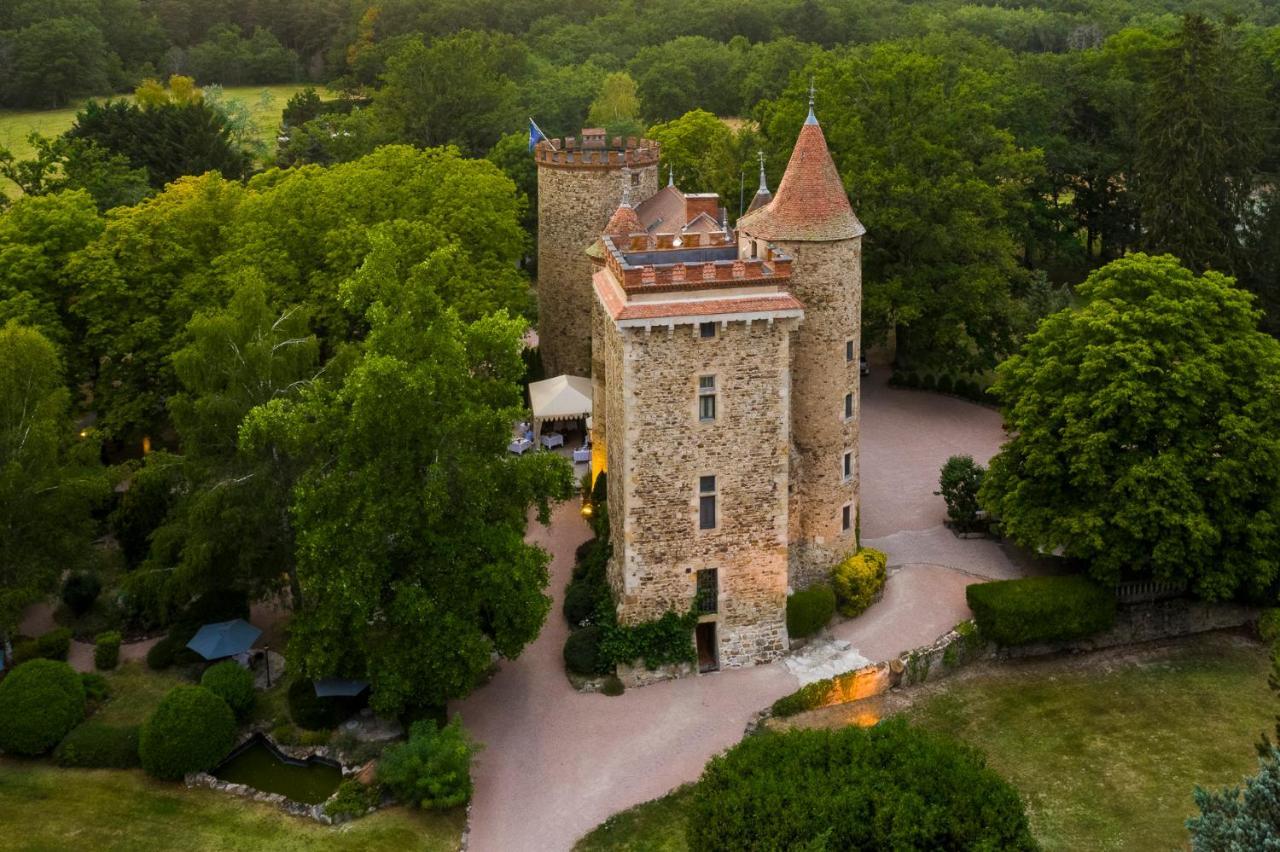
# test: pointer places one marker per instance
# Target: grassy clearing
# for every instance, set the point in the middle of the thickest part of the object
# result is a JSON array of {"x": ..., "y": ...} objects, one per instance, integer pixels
[
  {"x": 265, "y": 104},
  {"x": 1105, "y": 750},
  {"x": 135, "y": 692},
  {"x": 1108, "y": 760},
  {"x": 46, "y": 808}
]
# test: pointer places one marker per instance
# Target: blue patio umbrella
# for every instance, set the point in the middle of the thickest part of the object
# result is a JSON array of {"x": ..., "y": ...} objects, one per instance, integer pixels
[
  {"x": 224, "y": 639},
  {"x": 336, "y": 687}
]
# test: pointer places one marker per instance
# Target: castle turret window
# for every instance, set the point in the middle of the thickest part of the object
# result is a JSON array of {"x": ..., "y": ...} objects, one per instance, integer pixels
[
  {"x": 846, "y": 515},
  {"x": 706, "y": 329},
  {"x": 706, "y": 502},
  {"x": 708, "y": 590},
  {"x": 848, "y": 351},
  {"x": 706, "y": 398},
  {"x": 848, "y": 406},
  {"x": 848, "y": 466}
]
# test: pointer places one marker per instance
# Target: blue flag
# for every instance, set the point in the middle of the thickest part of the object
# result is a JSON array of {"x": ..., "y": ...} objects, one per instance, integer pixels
[{"x": 535, "y": 135}]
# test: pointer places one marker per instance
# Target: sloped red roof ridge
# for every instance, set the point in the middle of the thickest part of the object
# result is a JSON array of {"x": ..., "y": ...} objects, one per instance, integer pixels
[
  {"x": 623, "y": 222},
  {"x": 810, "y": 203}
]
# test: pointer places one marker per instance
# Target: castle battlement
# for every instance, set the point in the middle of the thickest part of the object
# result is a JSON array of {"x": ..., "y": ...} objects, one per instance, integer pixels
[
  {"x": 593, "y": 150},
  {"x": 656, "y": 262}
]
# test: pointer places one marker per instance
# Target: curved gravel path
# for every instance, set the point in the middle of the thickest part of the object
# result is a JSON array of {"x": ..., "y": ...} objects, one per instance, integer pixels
[{"x": 556, "y": 763}]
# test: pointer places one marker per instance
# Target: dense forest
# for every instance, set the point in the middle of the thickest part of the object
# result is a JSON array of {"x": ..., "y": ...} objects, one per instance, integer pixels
[{"x": 255, "y": 318}]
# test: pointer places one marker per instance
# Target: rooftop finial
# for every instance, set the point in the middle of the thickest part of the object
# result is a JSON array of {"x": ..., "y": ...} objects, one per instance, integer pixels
[
  {"x": 764, "y": 186},
  {"x": 626, "y": 187},
  {"x": 812, "y": 119},
  {"x": 671, "y": 175}
]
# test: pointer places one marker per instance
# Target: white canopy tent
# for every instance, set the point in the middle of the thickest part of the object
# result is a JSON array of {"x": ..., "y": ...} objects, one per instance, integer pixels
[{"x": 561, "y": 398}]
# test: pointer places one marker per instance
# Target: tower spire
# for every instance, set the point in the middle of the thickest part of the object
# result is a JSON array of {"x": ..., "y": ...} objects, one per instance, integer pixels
[
  {"x": 764, "y": 186},
  {"x": 671, "y": 175},
  {"x": 812, "y": 119}
]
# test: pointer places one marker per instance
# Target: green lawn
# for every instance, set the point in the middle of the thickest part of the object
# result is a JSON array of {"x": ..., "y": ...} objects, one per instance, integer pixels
[
  {"x": 135, "y": 692},
  {"x": 1105, "y": 751},
  {"x": 265, "y": 104},
  {"x": 46, "y": 808}
]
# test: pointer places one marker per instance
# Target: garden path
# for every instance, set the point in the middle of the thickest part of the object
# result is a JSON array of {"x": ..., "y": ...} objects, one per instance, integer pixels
[{"x": 556, "y": 762}]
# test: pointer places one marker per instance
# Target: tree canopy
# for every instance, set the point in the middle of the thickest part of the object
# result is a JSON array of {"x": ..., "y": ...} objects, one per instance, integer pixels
[{"x": 1145, "y": 432}]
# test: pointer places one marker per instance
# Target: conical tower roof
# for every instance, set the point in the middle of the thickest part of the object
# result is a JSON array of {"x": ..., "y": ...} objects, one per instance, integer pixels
[
  {"x": 810, "y": 204},
  {"x": 624, "y": 222}
]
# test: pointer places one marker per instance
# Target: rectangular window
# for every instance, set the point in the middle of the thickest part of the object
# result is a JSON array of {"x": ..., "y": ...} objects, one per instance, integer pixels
[
  {"x": 706, "y": 398},
  {"x": 848, "y": 351},
  {"x": 706, "y": 329},
  {"x": 708, "y": 590},
  {"x": 848, "y": 465},
  {"x": 845, "y": 513},
  {"x": 706, "y": 503},
  {"x": 848, "y": 406}
]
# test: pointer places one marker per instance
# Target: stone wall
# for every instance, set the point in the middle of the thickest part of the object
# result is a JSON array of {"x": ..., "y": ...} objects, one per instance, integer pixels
[
  {"x": 658, "y": 449},
  {"x": 574, "y": 205},
  {"x": 827, "y": 278}
]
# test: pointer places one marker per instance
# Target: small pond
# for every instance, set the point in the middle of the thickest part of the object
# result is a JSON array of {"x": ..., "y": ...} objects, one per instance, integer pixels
[{"x": 259, "y": 765}]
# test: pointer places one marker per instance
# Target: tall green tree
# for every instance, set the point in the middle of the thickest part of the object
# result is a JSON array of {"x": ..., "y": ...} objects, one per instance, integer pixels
[
  {"x": 459, "y": 90},
  {"x": 617, "y": 107},
  {"x": 915, "y": 130},
  {"x": 49, "y": 481},
  {"x": 52, "y": 61},
  {"x": 1145, "y": 429},
  {"x": 411, "y": 516},
  {"x": 708, "y": 156},
  {"x": 1201, "y": 142}
]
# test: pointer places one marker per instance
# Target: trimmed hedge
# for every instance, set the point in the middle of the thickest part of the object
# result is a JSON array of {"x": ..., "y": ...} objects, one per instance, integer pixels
[
  {"x": 1269, "y": 625},
  {"x": 189, "y": 731},
  {"x": 582, "y": 652},
  {"x": 173, "y": 650},
  {"x": 53, "y": 645},
  {"x": 94, "y": 745},
  {"x": 809, "y": 610},
  {"x": 233, "y": 683},
  {"x": 890, "y": 786},
  {"x": 1041, "y": 609},
  {"x": 106, "y": 650},
  {"x": 40, "y": 702},
  {"x": 858, "y": 580}
]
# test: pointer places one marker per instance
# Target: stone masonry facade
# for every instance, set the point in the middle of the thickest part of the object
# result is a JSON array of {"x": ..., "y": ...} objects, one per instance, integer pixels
[
  {"x": 765, "y": 318},
  {"x": 579, "y": 187}
]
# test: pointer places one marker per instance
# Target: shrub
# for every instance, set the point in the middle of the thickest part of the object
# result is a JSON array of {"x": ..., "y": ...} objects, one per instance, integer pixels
[
  {"x": 233, "y": 683},
  {"x": 890, "y": 786},
  {"x": 432, "y": 769},
  {"x": 582, "y": 652},
  {"x": 172, "y": 649},
  {"x": 106, "y": 650},
  {"x": 189, "y": 731},
  {"x": 929, "y": 382},
  {"x": 314, "y": 738},
  {"x": 660, "y": 642},
  {"x": 859, "y": 580},
  {"x": 959, "y": 481},
  {"x": 613, "y": 686},
  {"x": 1040, "y": 609},
  {"x": 352, "y": 800},
  {"x": 1269, "y": 625},
  {"x": 896, "y": 379},
  {"x": 53, "y": 645},
  {"x": 809, "y": 610},
  {"x": 93, "y": 745},
  {"x": 946, "y": 384},
  {"x": 968, "y": 389},
  {"x": 40, "y": 701},
  {"x": 80, "y": 590},
  {"x": 913, "y": 379},
  {"x": 811, "y": 696},
  {"x": 310, "y": 711},
  {"x": 96, "y": 689},
  {"x": 586, "y": 598}
]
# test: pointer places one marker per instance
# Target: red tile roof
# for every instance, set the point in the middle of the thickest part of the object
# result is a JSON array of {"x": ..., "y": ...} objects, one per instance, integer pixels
[
  {"x": 623, "y": 222},
  {"x": 810, "y": 203},
  {"x": 621, "y": 310}
]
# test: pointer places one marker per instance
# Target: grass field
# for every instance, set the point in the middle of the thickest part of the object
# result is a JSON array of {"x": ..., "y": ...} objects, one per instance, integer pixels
[
  {"x": 1106, "y": 752},
  {"x": 265, "y": 104},
  {"x": 43, "y": 808},
  {"x": 135, "y": 692}
]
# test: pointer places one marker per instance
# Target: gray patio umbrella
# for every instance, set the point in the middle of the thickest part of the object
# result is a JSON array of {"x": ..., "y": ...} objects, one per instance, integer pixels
[
  {"x": 336, "y": 687},
  {"x": 224, "y": 639}
]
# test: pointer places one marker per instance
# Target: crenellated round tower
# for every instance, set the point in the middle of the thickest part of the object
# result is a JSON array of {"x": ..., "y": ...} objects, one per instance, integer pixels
[
  {"x": 580, "y": 185},
  {"x": 810, "y": 219}
]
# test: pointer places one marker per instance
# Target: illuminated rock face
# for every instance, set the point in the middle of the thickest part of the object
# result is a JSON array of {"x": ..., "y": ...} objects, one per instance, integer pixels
[{"x": 764, "y": 319}]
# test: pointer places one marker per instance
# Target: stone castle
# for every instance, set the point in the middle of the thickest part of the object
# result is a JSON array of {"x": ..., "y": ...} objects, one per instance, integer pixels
[{"x": 725, "y": 368}]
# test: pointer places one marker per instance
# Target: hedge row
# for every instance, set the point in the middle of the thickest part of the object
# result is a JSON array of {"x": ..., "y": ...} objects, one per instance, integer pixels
[
  {"x": 962, "y": 387},
  {"x": 1041, "y": 609},
  {"x": 93, "y": 745},
  {"x": 809, "y": 610},
  {"x": 53, "y": 645},
  {"x": 820, "y": 693}
]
